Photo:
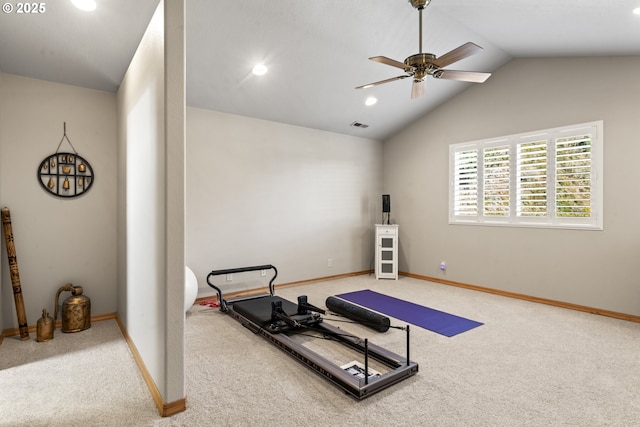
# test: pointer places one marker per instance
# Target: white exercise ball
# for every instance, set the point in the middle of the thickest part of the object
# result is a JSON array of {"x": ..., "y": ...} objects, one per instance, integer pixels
[{"x": 190, "y": 288}]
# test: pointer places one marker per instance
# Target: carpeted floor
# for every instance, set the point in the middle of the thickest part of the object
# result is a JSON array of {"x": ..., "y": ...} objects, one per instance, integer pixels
[
  {"x": 528, "y": 365},
  {"x": 87, "y": 378}
]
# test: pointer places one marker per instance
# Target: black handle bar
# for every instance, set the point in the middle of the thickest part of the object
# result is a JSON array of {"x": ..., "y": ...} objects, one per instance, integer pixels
[{"x": 223, "y": 304}]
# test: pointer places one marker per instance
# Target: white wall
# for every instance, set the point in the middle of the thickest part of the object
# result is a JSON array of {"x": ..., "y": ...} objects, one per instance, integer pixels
[
  {"x": 592, "y": 268},
  {"x": 260, "y": 192},
  {"x": 151, "y": 195},
  {"x": 57, "y": 240}
]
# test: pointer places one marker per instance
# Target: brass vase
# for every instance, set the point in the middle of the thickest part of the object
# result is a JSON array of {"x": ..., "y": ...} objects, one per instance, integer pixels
[{"x": 45, "y": 327}]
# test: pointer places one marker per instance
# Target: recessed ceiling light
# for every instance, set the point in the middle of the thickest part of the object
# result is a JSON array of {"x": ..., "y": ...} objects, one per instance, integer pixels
[
  {"x": 370, "y": 101},
  {"x": 636, "y": 10},
  {"x": 259, "y": 70},
  {"x": 86, "y": 5}
]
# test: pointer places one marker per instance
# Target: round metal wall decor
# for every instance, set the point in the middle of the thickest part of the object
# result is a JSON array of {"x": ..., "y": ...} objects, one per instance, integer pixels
[{"x": 65, "y": 174}]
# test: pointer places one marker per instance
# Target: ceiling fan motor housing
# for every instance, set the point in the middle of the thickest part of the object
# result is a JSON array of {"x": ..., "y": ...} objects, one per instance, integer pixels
[
  {"x": 420, "y": 64},
  {"x": 419, "y": 4}
]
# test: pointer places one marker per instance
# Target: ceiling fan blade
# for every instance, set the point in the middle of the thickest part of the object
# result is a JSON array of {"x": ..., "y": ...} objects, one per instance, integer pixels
[
  {"x": 389, "y": 61},
  {"x": 417, "y": 89},
  {"x": 381, "y": 82},
  {"x": 457, "y": 54},
  {"x": 463, "y": 76}
]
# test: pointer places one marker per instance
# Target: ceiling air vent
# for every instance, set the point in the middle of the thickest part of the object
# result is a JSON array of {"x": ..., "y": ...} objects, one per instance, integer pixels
[{"x": 359, "y": 125}]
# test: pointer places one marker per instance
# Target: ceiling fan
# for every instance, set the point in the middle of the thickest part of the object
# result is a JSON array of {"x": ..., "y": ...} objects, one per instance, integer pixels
[{"x": 422, "y": 65}]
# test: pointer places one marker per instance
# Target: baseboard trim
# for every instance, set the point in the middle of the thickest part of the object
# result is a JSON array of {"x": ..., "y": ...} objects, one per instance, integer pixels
[
  {"x": 33, "y": 328},
  {"x": 324, "y": 279},
  {"x": 172, "y": 408},
  {"x": 165, "y": 409},
  {"x": 567, "y": 305}
]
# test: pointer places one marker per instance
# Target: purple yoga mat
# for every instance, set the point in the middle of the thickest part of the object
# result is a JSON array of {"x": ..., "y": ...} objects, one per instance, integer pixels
[{"x": 434, "y": 320}]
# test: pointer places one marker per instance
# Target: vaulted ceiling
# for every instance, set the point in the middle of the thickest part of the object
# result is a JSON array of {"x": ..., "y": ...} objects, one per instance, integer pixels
[{"x": 316, "y": 51}]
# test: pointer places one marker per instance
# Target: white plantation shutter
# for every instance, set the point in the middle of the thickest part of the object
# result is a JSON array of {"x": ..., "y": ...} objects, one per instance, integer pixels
[
  {"x": 573, "y": 176},
  {"x": 532, "y": 179},
  {"x": 549, "y": 178},
  {"x": 466, "y": 183},
  {"x": 495, "y": 180}
]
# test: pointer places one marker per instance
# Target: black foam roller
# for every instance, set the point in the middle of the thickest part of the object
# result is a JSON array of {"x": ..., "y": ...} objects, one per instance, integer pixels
[{"x": 354, "y": 312}]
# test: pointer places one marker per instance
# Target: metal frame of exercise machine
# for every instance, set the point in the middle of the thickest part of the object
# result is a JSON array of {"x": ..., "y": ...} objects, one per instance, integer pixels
[{"x": 275, "y": 319}]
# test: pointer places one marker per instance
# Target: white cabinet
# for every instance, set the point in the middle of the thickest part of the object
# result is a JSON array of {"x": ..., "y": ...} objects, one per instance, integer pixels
[{"x": 386, "y": 251}]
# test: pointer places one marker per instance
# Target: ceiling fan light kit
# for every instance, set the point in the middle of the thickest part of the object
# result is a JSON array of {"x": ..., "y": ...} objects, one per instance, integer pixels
[{"x": 421, "y": 65}]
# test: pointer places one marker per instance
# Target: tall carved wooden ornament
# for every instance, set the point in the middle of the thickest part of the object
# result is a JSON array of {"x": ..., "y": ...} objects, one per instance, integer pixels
[{"x": 15, "y": 274}]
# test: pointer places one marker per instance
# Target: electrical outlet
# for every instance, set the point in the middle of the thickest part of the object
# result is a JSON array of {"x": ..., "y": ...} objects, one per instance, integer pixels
[
  {"x": 329, "y": 262},
  {"x": 229, "y": 277},
  {"x": 263, "y": 273}
]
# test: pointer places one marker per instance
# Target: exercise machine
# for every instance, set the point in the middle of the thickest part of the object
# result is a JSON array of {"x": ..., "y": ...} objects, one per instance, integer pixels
[{"x": 279, "y": 320}]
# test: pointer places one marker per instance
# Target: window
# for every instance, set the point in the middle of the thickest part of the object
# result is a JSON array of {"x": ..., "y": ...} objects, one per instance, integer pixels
[{"x": 549, "y": 178}]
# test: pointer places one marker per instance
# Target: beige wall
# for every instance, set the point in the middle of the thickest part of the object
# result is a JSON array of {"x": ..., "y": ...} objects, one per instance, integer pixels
[
  {"x": 151, "y": 196},
  {"x": 260, "y": 192},
  {"x": 593, "y": 268},
  {"x": 57, "y": 240}
]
